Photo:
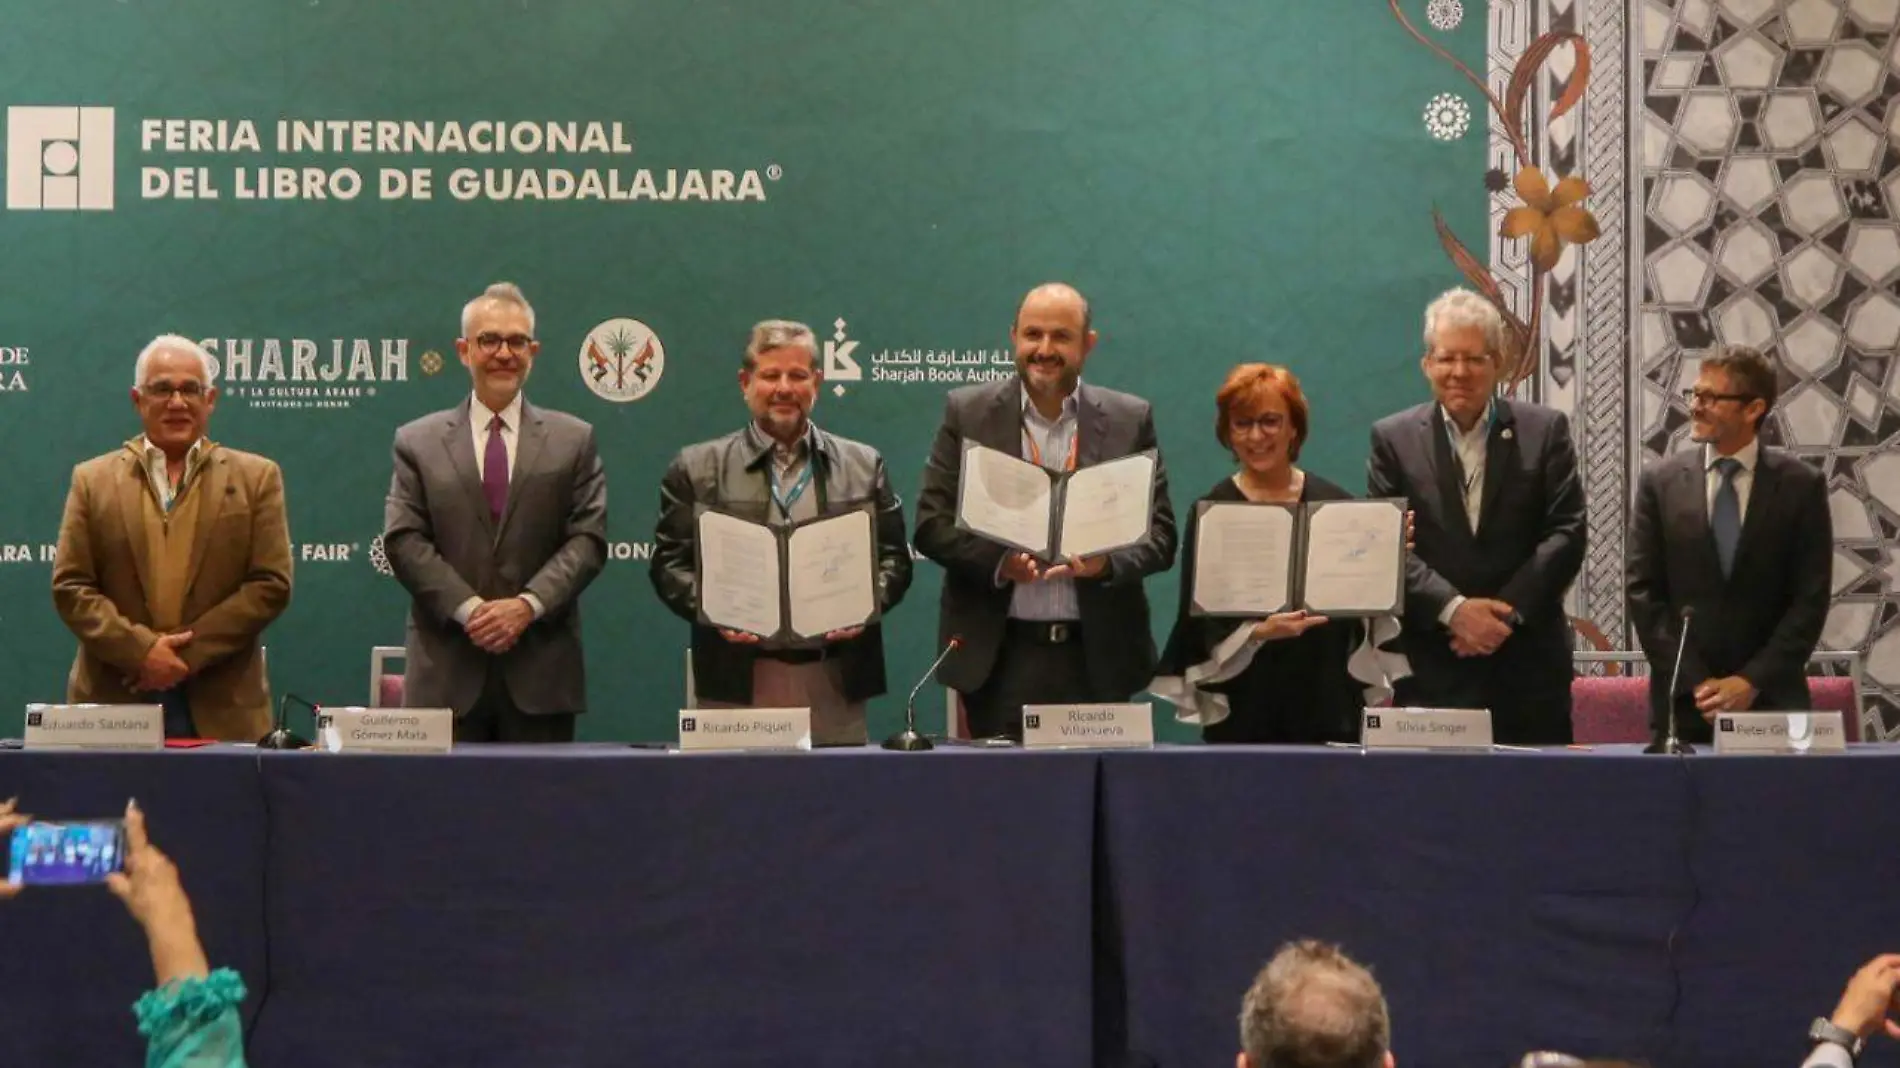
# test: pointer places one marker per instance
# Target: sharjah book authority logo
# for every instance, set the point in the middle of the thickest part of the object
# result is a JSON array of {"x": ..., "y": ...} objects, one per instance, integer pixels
[
  {"x": 622, "y": 360},
  {"x": 59, "y": 159}
]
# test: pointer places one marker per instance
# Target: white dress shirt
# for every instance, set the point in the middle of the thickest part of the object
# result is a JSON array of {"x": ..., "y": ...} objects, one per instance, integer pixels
[
  {"x": 1051, "y": 600},
  {"x": 1744, "y": 479},
  {"x": 1470, "y": 447},
  {"x": 479, "y": 416},
  {"x": 1828, "y": 1055}
]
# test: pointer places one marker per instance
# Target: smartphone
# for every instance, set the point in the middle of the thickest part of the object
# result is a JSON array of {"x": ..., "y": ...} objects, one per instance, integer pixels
[{"x": 44, "y": 853}]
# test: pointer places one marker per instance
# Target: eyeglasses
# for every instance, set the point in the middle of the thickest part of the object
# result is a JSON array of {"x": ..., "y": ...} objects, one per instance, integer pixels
[
  {"x": 1459, "y": 360},
  {"x": 163, "y": 392},
  {"x": 1705, "y": 396},
  {"x": 1269, "y": 422},
  {"x": 491, "y": 343}
]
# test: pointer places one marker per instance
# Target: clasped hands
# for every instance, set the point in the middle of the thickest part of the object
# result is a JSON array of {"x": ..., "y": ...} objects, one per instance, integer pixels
[
  {"x": 162, "y": 667},
  {"x": 495, "y": 626},
  {"x": 1479, "y": 626},
  {"x": 1024, "y": 568},
  {"x": 1731, "y": 693}
]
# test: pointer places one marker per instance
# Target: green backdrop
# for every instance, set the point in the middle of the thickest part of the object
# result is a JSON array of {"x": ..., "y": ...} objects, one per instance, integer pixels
[{"x": 1227, "y": 179}]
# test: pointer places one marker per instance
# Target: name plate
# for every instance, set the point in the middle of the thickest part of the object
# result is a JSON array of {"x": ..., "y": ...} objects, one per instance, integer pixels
[
  {"x": 1780, "y": 732},
  {"x": 94, "y": 727},
  {"x": 745, "y": 728},
  {"x": 1426, "y": 728},
  {"x": 355, "y": 729},
  {"x": 1121, "y": 726}
]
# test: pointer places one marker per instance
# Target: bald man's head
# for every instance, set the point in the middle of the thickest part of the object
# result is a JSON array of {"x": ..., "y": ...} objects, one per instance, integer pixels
[
  {"x": 1060, "y": 292},
  {"x": 1053, "y": 340}
]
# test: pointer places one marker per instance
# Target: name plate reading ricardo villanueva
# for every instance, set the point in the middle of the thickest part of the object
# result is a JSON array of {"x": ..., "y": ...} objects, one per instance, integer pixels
[
  {"x": 1780, "y": 732},
  {"x": 94, "y": 727},
  {"x": 1426, "y": 728},
  {"x": 1117, "y": 726},
  {"x": 354, "y": 729},
  {"x": 745, "y": 728}
]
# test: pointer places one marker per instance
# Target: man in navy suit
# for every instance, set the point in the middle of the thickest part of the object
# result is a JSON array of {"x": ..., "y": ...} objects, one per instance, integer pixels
[
  {"x": 1740, "y": 534},
  {"x": 1499, "y": 533}
]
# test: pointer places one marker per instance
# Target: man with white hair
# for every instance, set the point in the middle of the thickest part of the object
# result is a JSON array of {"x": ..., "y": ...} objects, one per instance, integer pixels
[
  {"x": 1499, "y": 533},
  {"x": 174, "y": 555},
  {"x": 495, "y": 523},
  {"x": 1314, "y": 1007}
]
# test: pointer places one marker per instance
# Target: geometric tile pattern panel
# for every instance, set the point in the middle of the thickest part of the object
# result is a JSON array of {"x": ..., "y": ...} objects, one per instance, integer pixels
[{"x": 1765, "y": 209}]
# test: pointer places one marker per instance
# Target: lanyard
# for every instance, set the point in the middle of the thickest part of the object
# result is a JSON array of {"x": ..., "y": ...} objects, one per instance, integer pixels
[
  {"x": 791, "y": 496},
  {"x": 1468, "y": 480},
  {"x": 1035, "y": 451}
]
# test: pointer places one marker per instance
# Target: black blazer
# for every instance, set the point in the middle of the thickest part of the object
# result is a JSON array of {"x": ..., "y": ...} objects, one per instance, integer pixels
[
  {"x": 1528, "y": 548},
  {"x": 1763, "y": 621},
  {"x": 1116, "y": 639},
  {"x": 1295, "y": 691}
]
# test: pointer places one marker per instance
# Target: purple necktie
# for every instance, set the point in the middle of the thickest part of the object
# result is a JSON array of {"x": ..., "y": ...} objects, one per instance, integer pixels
[{"x": 495, "y": 470}]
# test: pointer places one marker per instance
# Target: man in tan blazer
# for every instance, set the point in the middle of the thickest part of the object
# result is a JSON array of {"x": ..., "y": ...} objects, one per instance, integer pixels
[{"x": 174, "y": 555}]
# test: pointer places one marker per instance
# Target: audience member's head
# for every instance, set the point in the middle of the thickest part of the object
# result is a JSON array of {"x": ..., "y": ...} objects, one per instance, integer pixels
[{"x": 1314, "y": 1007}]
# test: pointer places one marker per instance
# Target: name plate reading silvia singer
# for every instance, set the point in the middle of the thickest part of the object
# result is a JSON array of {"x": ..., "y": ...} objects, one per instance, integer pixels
[
  {"x": 1426, "y": 728},
  {"x": 745, "y": 728},
  {"x": 94, "y": 727},
  {"x": 1780, "y": 732},
  {"x": 1119, "y": 726},
  {"x": 354, "y": 729}
]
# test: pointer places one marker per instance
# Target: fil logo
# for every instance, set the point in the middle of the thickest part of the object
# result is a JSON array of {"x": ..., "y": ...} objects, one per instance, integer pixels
[
  {"x": 59, "y": 159},
  {"x": 1728, "y": 725},
  {"x": 688, "y": 725},
  {"x": 1032, "y": 721},
  {"x": 840, "y": 364},
  {"x": 35, "y": 719},
  {"x": 1372, "y": 722}
]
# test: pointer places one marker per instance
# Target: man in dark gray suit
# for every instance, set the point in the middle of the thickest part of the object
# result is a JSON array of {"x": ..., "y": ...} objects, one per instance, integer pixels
[
  {"x": 1740, "y": 535},
  {"x": 496, "y": 521},
  {"x": 1499, "y": 533},
  {"x": 1075, "y": 632},
  {"x": 779, "y": 470}
]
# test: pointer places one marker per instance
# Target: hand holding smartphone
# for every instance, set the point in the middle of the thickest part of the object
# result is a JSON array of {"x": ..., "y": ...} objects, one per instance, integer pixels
[{"x": 47, "y": 853}]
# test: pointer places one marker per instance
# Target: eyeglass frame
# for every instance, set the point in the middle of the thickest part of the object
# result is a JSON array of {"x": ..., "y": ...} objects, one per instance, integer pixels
[{"x": 488, "y": 343}]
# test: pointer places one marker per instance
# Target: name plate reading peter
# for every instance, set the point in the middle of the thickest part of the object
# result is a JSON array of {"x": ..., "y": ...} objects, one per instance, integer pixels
[
  {"x": 1116, "y": 726},
  {"x": 1426, "y": 728},
  {"x": 94, "y": 727},
  {"x": 745, "y": 728},
  {"x": 1780, "y": 732},
  {"x": 354, "y": 729}
]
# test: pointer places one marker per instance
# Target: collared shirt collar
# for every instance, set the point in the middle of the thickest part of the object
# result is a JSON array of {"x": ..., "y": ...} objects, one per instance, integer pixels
[
  {"x": 1747, "y": 455},
  {"x": 147, "y": 451},
  {"x": 1070, "y": 403},
  {"x": 481, "y": 414},
  {"x": 761, "y": 444},
  {"x": 1481, "y": 428}
]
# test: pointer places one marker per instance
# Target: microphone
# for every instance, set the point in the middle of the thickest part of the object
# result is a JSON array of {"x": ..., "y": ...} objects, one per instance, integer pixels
[
  {"x": 281, "y": 737},
  {"x": 1669, "y": 742},
  {"x": 908, "y": 740}
]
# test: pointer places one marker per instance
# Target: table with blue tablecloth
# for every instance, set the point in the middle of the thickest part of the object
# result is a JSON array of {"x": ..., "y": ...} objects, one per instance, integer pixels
[{"x": 601, "y": 905}]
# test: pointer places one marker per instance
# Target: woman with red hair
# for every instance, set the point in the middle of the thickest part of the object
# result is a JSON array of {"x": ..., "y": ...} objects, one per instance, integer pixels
[{"x": 1293, "y": 677}]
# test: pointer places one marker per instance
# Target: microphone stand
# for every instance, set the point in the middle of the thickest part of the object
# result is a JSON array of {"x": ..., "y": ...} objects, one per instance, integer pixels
[
  {"x": 1670, "y": 743},
  {"x": 908, "y": 740},
  {"x": 281, "y": 737}
]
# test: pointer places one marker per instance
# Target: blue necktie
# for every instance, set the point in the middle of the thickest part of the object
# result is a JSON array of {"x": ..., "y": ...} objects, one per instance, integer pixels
[{"x": 1725, "y": 519}]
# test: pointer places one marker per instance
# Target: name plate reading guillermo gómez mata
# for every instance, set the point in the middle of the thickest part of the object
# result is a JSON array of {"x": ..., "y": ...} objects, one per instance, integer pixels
[{"x": 347, "y": 729}]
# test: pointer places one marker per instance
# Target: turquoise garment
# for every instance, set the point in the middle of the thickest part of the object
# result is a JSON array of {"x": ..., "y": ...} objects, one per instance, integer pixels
[{"x": 193, "y": 1023}]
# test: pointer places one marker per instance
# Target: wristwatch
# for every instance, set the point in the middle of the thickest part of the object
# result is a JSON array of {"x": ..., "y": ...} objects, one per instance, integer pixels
[{"x": 1824, "y": 1030}]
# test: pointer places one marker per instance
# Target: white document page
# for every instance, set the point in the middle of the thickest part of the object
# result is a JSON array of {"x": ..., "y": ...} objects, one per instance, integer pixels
[
  {"x": 1355, "y": 554},
  {"x": 738, "y": 574},
  {"x": 1243, "y": 559},
  {"x": 1107, "y": 506},
  {"x": 832, "y": 574},
  {"x": 1006, "y": 499}
]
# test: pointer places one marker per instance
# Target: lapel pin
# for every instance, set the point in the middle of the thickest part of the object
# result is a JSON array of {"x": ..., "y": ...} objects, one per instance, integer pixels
[{"x": 1507, "y": 433}]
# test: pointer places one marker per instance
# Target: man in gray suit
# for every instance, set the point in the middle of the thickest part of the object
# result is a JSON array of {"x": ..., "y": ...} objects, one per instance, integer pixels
[
  {"x": 1075, "y": 632},
  {"x": 495, "y": 523},
  {"x": 1741, "y": 535}
]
